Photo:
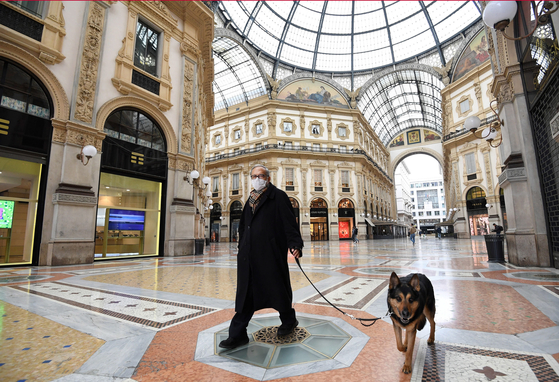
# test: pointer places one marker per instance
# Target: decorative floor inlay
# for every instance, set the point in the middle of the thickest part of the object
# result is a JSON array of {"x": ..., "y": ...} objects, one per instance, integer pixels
[
  {"x": 354, "y": 293},
  {"x": 331, "y": 340},
  {"x": 145, "y": 311},
  {"x": 552, "y": 288},
  {"x": 383, "y": 271},
  {"x": 459, "y": 274},
  {"x": 540, "y": 276},
  {"x": 269, "y": 335},
  {"x": 19, "y": 279},
  {"x": 447, "y": 362}
]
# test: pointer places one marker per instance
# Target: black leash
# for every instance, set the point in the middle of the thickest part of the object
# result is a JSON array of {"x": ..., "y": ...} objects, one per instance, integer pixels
[{"x": 361, "y": 320}]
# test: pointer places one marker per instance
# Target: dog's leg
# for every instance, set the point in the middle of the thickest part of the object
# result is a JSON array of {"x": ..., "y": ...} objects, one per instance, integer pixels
[
  {"x": 398, "y": 333},
  {"x": 410, "y": 338},
  {"x": 431, "y": 317}
]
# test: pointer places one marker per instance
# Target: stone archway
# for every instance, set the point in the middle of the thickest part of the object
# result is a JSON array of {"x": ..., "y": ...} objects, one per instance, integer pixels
[{"x": 411, "y": 151}]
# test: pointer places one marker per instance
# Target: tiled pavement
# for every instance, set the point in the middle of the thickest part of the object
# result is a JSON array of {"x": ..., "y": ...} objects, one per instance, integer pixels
[{"x": 159, "y": 319}]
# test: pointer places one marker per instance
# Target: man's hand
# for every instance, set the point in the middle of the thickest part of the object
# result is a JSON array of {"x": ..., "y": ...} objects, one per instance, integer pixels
[{"x": 295, "y": 252}]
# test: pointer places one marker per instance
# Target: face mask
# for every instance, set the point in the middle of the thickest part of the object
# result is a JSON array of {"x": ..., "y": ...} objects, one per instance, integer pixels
[{"x": 258, "y": 184}]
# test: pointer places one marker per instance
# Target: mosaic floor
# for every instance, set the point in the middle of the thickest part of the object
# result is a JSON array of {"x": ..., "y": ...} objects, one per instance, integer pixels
[{"x": 161, "y": 319}]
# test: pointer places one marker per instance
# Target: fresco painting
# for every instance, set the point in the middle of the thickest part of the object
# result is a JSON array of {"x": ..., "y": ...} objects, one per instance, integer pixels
[
  {"x": 314, "y": 93},
  {"x": 414, "y": 136},
  {"x": 398, "y": 141},
  {"x": 474, "y": 55},
  {"x": 428, "y": 135}
]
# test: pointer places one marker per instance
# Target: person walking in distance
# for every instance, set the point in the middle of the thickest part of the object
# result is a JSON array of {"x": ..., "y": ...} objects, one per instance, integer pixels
[
  {"x": 412, "y": 234},
  {"x": 267, "y": 231},
  {"x": 354, "y": 233}
]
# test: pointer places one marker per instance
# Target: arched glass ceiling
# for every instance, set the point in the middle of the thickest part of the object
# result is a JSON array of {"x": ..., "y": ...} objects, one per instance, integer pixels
[
  {"x": 348, "y": 36},
  {"x": 236, "y": 78},
  {"x": 402, "y": 100}
]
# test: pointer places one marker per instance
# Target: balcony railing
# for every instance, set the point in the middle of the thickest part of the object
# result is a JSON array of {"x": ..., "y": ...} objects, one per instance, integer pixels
[{"x": 297, "y": 148}]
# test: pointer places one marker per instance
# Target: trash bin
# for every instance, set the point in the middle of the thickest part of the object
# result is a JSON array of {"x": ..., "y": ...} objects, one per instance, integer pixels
[
  {"x": 199, "y": 246},
  {"x": 495, "y": 248},
  {"x": 207, "y": 241}
]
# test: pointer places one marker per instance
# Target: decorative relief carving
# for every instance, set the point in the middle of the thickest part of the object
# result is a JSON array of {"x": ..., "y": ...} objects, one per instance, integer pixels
[
  {"x": 186, "y": 128},
  {"x": 487, "y": 163},
  {"x": 89, "y": 67},
  {"x": 477, "y": 90},
  {"x": 59, "y": 198},
  {"x": 274, "y": 84},
  {"x": 506, "y": 93},
  {"x": 272, "y": 123},
  {"x": 352, "y": 97}
]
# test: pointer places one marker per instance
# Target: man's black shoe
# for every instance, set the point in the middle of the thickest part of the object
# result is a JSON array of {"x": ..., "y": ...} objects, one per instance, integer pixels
[
  {"x": 232, "y": 343},
  {"x": 285, "y": 330}
]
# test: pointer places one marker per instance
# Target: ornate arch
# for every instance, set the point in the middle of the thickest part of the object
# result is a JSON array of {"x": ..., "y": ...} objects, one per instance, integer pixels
[
  {"x": 145, "y": 106},
  {"x": 299, "y": 76},
  {"x": 231, "y": 203},
  {"x": 420, "y": 150},
  {"x": 465, "y": 192},
  {"x": 355, "y": 205},
  {"x": 43, "y": 74},
  {"x": 465, "y": 42}
]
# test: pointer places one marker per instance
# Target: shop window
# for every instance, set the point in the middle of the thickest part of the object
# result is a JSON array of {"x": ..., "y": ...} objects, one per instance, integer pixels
[
  {"x": 135, "y": 127},
  {"x": 18, "y": 208},
  {"x": 128, "y": 217},
  {"x": 146, "y": 49}
]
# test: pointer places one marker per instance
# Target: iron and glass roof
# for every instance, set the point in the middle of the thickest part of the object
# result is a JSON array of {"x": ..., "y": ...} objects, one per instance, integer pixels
[
  {"x": 348, "y": 36},
  {"x": 236, "y": 78},
  {"x": 402, "y": 100}
]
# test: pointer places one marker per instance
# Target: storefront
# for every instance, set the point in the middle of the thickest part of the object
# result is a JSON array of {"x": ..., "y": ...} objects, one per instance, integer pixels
[
  {"x": 477, "y": 212},
  {"x": 132, "y": 186},
  {"x": 295, "y": 205},
  {"x": 235, "y": 212},
  {"x": 25, "y": 141},
  {"x": 346, "y": 219},
  {"x": 319, "y": 220},
  {"x": 215, "y": 223}
]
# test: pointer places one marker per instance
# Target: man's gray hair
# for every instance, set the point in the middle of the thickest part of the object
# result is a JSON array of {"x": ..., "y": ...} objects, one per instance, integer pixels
[{"x": 261, "y": 165}]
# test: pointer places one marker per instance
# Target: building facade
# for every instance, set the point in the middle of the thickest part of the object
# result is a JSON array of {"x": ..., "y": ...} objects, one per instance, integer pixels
[
  {"x": 132, "y": 80},
  {"x": 403, "y": 194}
]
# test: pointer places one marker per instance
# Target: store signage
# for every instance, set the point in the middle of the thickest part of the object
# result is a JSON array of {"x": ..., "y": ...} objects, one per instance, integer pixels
[{"x": 319, "y": 212}]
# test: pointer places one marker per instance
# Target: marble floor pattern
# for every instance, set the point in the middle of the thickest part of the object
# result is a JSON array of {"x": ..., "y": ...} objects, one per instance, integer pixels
[{"x": 160, "y": 319}]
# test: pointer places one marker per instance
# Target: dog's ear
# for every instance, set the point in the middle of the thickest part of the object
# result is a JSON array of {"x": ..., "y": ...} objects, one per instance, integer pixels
[
  {"x": 414, "y": 282},
  {"x": 394, "y": 281}
]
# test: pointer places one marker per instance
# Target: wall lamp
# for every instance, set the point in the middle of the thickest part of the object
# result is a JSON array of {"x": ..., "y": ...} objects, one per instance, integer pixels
[
  {"x": 306, "y": 214},
  {"x": 498, "y": 15},
  {"x": 455, "y": 209},
  {"x": 489, "y": 133},
  {"x": 488, "y": 205},
  {"x": 192, "y": 179},
  {"x": 87, "y": 152}
]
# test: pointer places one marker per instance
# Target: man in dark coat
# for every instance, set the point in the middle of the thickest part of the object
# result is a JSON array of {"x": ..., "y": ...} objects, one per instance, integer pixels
[{"x": 267, "y": 231}]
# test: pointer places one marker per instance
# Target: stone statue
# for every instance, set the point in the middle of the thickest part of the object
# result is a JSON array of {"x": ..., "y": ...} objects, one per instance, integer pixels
[
  {"x": 274, "y": 84},
  {"x": 353, "y": 97},
  {"x": 443, "y": 71}
]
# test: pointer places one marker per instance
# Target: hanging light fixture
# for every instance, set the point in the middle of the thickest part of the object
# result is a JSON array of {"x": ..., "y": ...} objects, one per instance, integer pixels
[{"x": 86, "y": 153}]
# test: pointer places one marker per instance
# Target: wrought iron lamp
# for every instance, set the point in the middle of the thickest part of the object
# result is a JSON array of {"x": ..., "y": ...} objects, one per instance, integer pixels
[
  {"x": 489, "y": 133},
  {"x": 498, "y": 15},
  {"x": 86, "y": 153},
  {"x": 192, "y": 179}
]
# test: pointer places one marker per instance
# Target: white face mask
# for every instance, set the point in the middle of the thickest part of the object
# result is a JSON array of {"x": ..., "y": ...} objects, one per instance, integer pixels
[{"x": 258, "y": 184}]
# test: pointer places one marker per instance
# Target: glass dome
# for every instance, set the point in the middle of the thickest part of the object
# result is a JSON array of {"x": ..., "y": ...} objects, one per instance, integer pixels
[{"x": 349, "y": 36}]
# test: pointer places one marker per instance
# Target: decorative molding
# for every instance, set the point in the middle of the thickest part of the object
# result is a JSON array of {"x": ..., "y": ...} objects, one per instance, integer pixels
[
  {"x": 477, "y": 91},
  {"x": 347, "y": 131},
  {"x": 187, "y": 106},
  {"x": 89, "y": 65},
  {"x": 145, "y": 106},
  {"x": 235, "y": 130},
  {"x": 319, "y": 128},
  {"x": 293, "y": 126},
  {"x": 506, "y": 93},
  {"x": 73, "y": 199},
  {"x": 465, "y": 97},
  {"x": 254, "y": 132},
  {"x": 272, "y": 122},
  {"x": 215, "y": 141}
]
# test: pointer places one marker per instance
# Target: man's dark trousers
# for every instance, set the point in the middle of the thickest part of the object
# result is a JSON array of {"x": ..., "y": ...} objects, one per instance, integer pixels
[{"x": 239, "y": 323}]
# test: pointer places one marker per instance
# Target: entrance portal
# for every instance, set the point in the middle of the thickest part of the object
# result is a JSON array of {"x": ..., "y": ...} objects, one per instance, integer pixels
[{"x": 319, "y": 220}]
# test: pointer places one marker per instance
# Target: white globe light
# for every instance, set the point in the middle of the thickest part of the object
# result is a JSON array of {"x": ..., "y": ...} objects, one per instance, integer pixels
[
  {"x": 206, "y": 180},
  {"x": 488, "y": 205},
  {"x": 208, "y": 193},
  {"x": 211, "y": 207},
  {"x": 489, "y": 134},
  {"x": 89, "y": 151},
  {"x": 194, "y": 174},
  {"x": 498, "y": 14},
  {"x": 210, "y": 201},
  {"x": 472, "y": 123}
]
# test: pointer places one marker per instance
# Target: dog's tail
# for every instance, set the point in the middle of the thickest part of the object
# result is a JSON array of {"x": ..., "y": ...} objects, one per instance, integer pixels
[{"x": 422, "y": 321}]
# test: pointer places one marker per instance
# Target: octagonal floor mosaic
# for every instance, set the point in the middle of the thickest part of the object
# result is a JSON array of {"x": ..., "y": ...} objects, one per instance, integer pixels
[{"x": 316, "y": 339}]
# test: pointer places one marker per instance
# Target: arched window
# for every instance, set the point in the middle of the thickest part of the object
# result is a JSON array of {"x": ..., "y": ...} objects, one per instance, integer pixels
[
  {"x": 345, "y": 203},
  {"x": 319, "y": 203},
  {"x": 19, "y": 91},
  {"x": 474, "y": 193},
  {"x": 294, "y": 203},
  {"x": 135, "y": 127}
]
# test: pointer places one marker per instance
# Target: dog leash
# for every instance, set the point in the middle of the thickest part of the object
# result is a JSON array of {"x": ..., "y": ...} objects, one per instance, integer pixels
[{"x": 361, "y": 320}]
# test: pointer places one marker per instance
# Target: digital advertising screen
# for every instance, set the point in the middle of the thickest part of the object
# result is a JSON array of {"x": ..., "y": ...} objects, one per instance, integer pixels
[
  {"x": 6, "y": 213},
  {"x": 125, "y": 220}
]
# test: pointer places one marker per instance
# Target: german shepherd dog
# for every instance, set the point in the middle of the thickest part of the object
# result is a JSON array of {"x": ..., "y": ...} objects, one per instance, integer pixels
[{"x": 411, "y": 299}]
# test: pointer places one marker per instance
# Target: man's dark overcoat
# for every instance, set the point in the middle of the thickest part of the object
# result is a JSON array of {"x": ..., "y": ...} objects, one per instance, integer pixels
[{"x": 264, "y": 239}]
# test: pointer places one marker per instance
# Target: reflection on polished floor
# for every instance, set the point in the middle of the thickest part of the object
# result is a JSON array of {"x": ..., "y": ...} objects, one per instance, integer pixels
[{"x": 160, "y": 319}]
